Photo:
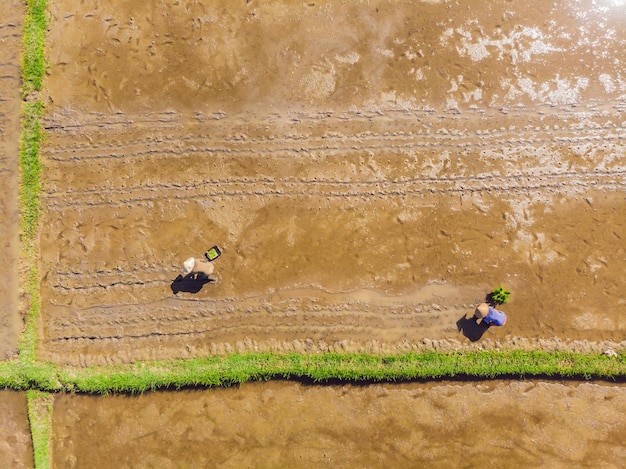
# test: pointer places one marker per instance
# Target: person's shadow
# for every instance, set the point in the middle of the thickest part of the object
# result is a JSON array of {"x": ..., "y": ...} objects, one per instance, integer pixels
[
  {"x": 470, "y": 329},
  {"x": 191, "y": 283}
]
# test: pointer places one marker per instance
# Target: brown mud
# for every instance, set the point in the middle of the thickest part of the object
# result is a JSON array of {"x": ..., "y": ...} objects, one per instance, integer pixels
[
  {"x": 371, "y": 170},
  {"x": 283, "y": 424},
  {"x": 11, "y": 16},
  {"x": 16, "y": 447}
]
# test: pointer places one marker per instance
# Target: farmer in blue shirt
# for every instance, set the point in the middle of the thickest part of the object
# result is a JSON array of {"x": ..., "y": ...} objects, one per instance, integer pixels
[{"x": 490, "y": 315}]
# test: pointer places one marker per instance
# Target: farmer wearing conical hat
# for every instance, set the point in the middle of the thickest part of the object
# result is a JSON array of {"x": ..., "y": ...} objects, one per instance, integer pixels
[
  {"x": 489, "y": 315},
  {"x": 197, "y": 266}
]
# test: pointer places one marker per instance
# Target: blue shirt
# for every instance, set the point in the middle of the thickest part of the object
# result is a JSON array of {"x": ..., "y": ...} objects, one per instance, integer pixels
[{"x": 495, "y": 317}]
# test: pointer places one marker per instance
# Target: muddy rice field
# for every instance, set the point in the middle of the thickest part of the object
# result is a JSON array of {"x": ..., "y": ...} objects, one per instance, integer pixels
[
  {"x": 277, "y": 424},
  {"x": 370, "y": 171}
]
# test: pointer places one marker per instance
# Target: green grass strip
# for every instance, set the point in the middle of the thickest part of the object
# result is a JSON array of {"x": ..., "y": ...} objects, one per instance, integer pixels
[
  {"x": 321, "y": 368},
  {"x": 33, "y": 62},
  {"x": 40, "y": 418},
  {"x": 25, "y": 373},
  {"x": 30, "y": 187},
  {"x": 30, "y": 169},
  {"x": 33, "y": 65}
]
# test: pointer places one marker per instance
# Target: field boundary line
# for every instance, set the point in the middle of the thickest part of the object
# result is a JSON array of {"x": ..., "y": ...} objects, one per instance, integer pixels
[
  {"x": 323, "y": 368},
  {"x": 33, "y": 64},
  {"x": 40, "y": 406}
]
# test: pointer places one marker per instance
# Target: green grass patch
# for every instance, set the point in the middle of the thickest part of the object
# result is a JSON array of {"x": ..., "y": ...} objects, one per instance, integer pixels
[{"x": 40, "y": 418}]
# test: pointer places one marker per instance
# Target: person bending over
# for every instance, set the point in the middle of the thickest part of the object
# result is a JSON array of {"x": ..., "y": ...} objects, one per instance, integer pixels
[
  {"x": 197, "y": 268},
  {"x": 489, "y": 315}
]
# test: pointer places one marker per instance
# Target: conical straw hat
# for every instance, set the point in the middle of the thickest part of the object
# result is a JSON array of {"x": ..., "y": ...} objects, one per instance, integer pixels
[
  {"x": 483, "y": 309},
  {"x": 188, "y": 265}
]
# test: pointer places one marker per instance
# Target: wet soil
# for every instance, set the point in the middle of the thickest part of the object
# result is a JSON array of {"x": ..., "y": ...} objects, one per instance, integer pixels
[
  {"x": 16, "y": 447},
  {"x": 284, "y": 424},
  {"x": 11, "y": 16},
  {"x": 371, "y": 171}
]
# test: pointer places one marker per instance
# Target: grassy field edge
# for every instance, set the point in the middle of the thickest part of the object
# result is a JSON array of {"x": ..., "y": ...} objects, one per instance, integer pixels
[
  {"x": 40, "y": 406},
  {"x": 39, "y": 403},
  {"x": 321, "y": 368},
  {"x": 33, "y": 64}
]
